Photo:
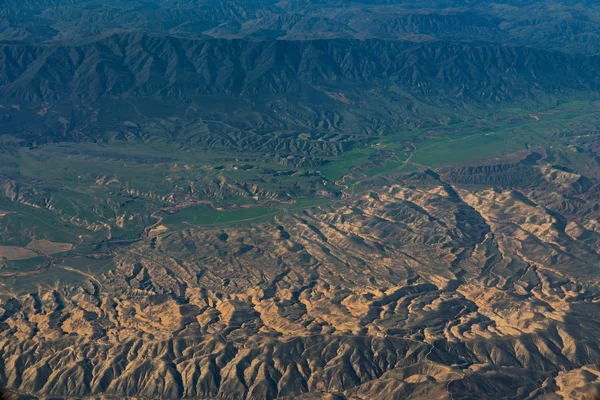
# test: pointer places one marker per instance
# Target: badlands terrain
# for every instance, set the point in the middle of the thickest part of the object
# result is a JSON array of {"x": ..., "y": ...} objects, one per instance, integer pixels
[
  {"x": 471, "y": 282},
  {"x": 299, "y": 199}
]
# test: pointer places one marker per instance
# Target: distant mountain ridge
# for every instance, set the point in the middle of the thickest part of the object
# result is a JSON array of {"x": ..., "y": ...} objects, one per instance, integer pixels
[
  {"x": 138, "y": 65},
  {"x": 571, "y": 26}
]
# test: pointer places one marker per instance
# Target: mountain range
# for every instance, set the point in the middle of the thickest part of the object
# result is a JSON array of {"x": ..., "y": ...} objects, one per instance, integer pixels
[{"x": 300, "y": 199}]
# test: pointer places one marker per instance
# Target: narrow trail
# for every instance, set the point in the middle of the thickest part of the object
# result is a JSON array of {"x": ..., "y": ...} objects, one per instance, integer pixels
[
  {"x": 415, "y": 150},
  {"x": 92, "y": 277}
]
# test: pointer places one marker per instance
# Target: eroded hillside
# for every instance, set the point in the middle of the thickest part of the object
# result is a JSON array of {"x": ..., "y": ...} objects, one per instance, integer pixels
[
  {"x": 299, "y": 199},
  {"x": 430, "y": 287}
]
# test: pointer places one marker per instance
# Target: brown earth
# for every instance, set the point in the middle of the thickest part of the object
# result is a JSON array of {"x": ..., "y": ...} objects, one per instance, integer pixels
[{"x": 430, "y": 288}]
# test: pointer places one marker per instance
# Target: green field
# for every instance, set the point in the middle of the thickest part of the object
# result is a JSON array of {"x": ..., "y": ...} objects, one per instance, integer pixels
[
  {"x": 203, "y": 215},
  {"x": 463, "y": 142},
  {"x": 335, "y": 169},
  {"x": 94, "y": 197}
]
